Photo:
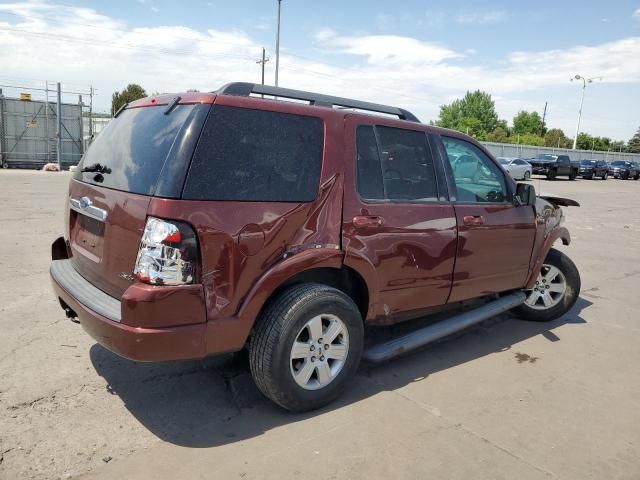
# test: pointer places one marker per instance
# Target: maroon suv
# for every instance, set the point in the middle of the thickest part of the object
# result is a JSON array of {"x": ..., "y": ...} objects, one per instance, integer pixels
[{"x": 205, "y": 223}]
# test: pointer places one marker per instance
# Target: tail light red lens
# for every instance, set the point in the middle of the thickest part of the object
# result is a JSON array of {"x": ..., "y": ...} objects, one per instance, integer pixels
[{"x": 167, "y": 254}]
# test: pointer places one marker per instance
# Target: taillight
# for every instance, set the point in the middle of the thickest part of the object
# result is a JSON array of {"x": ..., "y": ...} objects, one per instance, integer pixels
[{"x": 168, "y": 253}]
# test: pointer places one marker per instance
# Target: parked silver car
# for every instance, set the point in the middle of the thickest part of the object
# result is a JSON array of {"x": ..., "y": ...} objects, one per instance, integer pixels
[{"x": 516, "y": 167}]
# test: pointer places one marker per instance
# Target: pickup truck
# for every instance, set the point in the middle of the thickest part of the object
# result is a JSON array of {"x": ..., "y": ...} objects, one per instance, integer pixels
[{"x": 554, "y": 166}]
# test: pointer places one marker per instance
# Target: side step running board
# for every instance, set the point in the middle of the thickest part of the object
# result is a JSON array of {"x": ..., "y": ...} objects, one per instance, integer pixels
[{"x": 423, "y": 336}]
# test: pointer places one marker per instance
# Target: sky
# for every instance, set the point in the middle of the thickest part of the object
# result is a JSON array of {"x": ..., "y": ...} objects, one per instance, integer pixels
[{"x": 414, "y": 54}]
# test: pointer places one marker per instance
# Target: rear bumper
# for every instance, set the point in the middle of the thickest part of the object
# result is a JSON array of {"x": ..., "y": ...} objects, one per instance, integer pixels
[{"x": 101, "y": 317}]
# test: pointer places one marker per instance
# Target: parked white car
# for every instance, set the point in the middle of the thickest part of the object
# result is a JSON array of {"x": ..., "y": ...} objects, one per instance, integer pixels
[{"x": 516, "y": 167}]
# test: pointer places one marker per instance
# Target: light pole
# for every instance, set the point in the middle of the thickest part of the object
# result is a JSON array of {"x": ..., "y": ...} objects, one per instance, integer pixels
[
  {"x": 584, "y": 87},
  {"x": 278, "y": 43}
]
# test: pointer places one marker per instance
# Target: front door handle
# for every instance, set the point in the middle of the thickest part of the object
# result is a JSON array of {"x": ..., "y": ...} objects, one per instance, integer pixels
[
  {"x": 471, "y": 220},
  {"x": 368, "y": 221}
]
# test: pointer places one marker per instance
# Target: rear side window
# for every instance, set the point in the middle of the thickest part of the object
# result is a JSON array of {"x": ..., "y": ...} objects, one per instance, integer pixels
[
  {"x": 133, "y": 148},
  {"x": 397, "y": 165},
  {"x": 256, "y": 155}
]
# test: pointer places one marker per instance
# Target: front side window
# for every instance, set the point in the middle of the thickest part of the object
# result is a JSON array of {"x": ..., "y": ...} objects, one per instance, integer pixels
[
  {"x": 256, "y": 155},
  {"x": 478, "y": 179},
  {"x": 394, "y": 164}
]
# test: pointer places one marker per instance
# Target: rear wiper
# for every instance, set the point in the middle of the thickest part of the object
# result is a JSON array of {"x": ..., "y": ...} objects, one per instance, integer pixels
[{"x": 96, "y": 167}]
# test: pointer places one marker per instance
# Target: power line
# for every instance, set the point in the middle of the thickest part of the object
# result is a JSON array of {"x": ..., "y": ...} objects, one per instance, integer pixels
[{"x": 123, "y": 45}]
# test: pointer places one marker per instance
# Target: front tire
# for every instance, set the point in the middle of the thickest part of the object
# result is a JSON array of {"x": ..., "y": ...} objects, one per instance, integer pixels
[
  {"x": 527, "y": 176},
  {"x": 551, "y": 175},
  {"x": 605, "y": 176},
  {"x": 306, "y": 346},
  {"x": 555, "y": 292},
  {"x": 573, "y": 175}
]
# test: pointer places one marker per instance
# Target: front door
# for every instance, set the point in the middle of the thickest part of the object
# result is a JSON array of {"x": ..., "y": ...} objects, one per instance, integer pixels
[
  {"x": 398, "y": 222},
  {"x": 495, "y": 237}
]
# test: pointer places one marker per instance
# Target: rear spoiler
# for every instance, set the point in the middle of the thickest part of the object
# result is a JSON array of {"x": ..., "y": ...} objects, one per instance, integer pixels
[{"x": 560, "y": 201}]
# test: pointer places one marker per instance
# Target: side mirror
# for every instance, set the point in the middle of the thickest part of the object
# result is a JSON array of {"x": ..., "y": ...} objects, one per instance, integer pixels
[{"x": 525, "y": 195}]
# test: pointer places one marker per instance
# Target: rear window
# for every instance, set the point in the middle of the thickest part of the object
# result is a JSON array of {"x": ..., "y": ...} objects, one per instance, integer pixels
[
  {"x": 256, "y": 155},
  {"x": 133, "y": 148}
]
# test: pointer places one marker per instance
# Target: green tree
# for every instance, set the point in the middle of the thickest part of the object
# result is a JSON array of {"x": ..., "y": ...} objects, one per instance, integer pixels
[
  {"x": 590, "y": 142},
  {"x": 618, "y": 146},
  {"x": 129, "y": 94},
  {"x": 531, "y": 139},
  {"x": 499, "y": 135},
  {"x": 556, "y": 138},
  {"x": 527, "y": 122},
  {"x": 475, "y": 112},
  {"x": 633, "y": 146}
]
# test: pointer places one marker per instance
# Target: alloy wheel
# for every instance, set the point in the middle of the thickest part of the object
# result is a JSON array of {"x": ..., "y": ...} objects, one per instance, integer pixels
[
  {"x": 548, "y": 290},
  {"x": 319, "y": 352}
]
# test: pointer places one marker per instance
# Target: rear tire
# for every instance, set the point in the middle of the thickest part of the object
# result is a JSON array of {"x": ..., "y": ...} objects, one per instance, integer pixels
[
  {"x": 573, "y": 175},
  {"x": 556, "y": 290},
  {"x": 624, "y": 176},
  {"x": 319, "y": 368}
]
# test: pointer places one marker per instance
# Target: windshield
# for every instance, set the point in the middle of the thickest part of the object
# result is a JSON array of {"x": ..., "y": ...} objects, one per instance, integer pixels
[
  {"x": 587, "y": 162},
  {"x": 130, "y": 152},
  {"x": 504, "y": 161}
]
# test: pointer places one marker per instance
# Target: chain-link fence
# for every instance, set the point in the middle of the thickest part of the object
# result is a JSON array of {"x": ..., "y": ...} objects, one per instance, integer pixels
[
  {"x": 530, "y": 151},
  {"x": 28, "y": 133}
]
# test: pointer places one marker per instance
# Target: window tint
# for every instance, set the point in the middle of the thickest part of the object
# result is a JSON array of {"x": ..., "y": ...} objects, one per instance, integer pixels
[
  {"x": 478, "y": 179},
  {"x": 407, "y": 165},
  {"x": 401, "y": 169},
  {"x": 369, "y": 174},
  {"x": 134, "y": 147},
  {"x": 256, "y": 155}
]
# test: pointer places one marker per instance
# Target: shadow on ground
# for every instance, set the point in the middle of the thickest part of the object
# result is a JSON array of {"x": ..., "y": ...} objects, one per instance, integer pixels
[{"x": 212, "y": 402}]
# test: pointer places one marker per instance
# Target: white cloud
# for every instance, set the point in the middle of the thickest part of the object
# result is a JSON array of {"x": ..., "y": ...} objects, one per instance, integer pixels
[
  {"x": 386, "y": 49},
  {"x": 636, "y": 14},
  {"x": 482, "y": 18},
  {"x": 80, "y": 46}
]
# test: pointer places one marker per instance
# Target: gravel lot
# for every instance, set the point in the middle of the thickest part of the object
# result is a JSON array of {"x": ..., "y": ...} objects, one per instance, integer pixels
[{"x": 508, "y": 400}]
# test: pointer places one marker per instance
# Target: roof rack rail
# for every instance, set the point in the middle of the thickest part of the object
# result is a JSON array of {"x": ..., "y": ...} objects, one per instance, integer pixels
[{"x": 244, "y": 89}]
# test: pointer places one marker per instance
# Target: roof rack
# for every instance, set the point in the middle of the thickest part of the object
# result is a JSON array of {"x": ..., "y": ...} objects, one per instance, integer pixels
[{"x": 244, "y": 89}]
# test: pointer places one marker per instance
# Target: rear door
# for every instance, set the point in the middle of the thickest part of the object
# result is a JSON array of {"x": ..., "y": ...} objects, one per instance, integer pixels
[
  {"x": 110, "y": 193},
  {"x": 397, "y": 218},
  {"x": 495, "y": 238}
]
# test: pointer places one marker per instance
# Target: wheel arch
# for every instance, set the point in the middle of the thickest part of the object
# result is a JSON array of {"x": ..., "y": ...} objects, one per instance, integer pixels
[
  {"x": 319, "y": 265},
  {"x": 560, "y": 233}
]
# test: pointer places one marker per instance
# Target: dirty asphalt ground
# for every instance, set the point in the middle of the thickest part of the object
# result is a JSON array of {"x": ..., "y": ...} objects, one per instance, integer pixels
[{"x": 508, "y": 400}]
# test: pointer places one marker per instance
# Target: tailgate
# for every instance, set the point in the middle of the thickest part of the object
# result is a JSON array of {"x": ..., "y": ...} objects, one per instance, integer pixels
[{"x": 104, "y": 251}]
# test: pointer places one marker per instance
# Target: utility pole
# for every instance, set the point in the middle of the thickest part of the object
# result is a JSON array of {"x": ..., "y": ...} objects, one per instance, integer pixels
[
  {"x": 46, "y": 119},
  {"x": 81, "y": 104},
  {"x": 278, "y": 43},
  {"x": 59, "y": 129},
  {"x": 544, "y": 116},
  {"x": 262, "y": 62},
  {"x": 90, "y": 112}
]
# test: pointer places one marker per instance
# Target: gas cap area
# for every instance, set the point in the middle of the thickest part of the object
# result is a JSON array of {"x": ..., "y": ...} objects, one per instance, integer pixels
[{"x": 250, "y": 239}]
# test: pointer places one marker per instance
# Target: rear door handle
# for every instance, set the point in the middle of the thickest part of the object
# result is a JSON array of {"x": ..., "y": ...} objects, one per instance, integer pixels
[
  {"x": 471, "y": 220},
  {"x": 368, "y": 221}
]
